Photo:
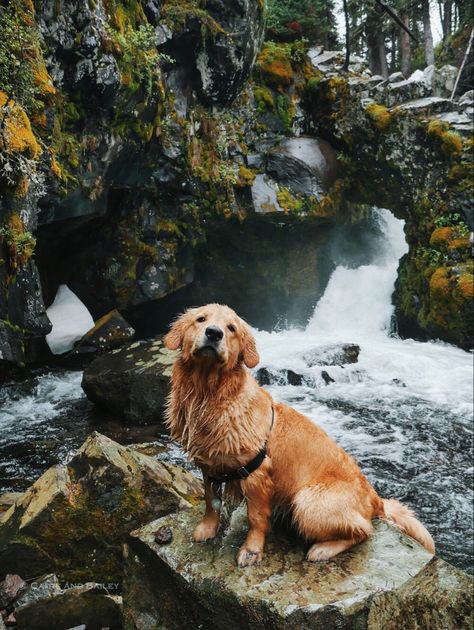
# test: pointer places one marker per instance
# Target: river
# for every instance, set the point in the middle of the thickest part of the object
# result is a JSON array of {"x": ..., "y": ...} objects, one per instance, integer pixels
[{"x": 404, "y": 409}]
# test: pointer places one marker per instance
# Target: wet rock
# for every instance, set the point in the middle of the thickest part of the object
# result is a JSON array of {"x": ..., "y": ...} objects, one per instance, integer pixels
[
  {"x": 333, "y": 355},
  {"x": 109, "y": 332},
  {"x": 266, "y": 376},
  {"x": 7, "y": 499},
  {"x": 73, "y": 519},
  {"x": 327, "y": 378},
  {"x": 387, "y": 577},
  {"x": 88, "y": 604},
  {"x": 11, "y": 588},
  {"x": 294, "y": 378},
  {"x": 306, "y": 166},
  {"x": 264, "y": 195},
  {"x": 41, "y": 588},
  {"x": 133, "y": 381},
  {"x": 163, "y": 535},
  {"x": 225, "y": 58}
]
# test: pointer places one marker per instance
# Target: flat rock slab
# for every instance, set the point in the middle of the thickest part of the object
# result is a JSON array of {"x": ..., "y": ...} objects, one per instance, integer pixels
[{"x": 184, "y": 584}]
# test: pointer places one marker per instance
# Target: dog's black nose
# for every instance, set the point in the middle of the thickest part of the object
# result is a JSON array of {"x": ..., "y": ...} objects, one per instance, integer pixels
[{"x": 214, "y": 333}]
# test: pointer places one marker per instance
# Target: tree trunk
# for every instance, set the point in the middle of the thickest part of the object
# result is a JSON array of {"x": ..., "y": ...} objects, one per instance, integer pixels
[
  {"x": 405, "y": 49},
  {"x": 427, "y": 33},
  {"x": 348, "y": 36},
  {"x": 448, "y": 16}
]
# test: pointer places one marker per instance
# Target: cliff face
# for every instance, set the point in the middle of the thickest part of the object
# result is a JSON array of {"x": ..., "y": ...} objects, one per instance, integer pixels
[{"x": 166, "y": 143}]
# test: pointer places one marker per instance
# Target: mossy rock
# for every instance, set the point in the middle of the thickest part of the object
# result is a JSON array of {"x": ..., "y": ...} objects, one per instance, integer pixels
[
  {"x": 389, "y": 581},
  {"x": 133, "y": 381},
  {"x": 73, "y": 519}
]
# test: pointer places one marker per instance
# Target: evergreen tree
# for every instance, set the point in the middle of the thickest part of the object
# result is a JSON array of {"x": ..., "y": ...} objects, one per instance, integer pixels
[{"x": 312, "y": 19}]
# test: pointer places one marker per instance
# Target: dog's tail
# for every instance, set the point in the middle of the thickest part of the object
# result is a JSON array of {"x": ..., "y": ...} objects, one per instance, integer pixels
[{"x": 402, "y": 517}]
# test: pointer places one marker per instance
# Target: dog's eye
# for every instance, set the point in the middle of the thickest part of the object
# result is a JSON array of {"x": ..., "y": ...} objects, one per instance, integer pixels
[
  {"x": 201, "y": 319},
  {"x": 231, "y": 327}
]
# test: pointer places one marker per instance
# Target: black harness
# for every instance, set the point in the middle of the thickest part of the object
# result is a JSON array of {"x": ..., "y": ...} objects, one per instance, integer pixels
[{"x": 240, "y": 474}]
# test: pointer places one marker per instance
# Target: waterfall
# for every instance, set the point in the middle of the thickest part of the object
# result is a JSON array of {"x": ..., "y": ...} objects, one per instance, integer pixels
[
  {"x": 357, "y": 302},
  {"x": 404, "y": 409}
]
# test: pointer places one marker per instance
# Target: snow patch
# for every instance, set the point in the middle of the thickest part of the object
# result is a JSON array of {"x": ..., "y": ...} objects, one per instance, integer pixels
[{"x": 70, "y": 319}]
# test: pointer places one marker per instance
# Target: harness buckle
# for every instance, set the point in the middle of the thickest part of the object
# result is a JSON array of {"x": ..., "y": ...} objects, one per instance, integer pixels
[{"x": 243, "y": 473}]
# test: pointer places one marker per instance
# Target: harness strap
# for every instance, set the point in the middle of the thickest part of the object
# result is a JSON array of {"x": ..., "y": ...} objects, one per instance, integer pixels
[{"x": 248, "y": 469}]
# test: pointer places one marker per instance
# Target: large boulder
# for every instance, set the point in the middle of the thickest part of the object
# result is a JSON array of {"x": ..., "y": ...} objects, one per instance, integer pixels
[
  {"x": 133, "y": 381},
  {"x": 387, "y": 582},
  {"x": 73, "y": 519}
]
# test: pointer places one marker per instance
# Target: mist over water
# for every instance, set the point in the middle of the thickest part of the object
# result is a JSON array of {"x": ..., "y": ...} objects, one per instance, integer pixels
[{"x": 404, "y": 410}]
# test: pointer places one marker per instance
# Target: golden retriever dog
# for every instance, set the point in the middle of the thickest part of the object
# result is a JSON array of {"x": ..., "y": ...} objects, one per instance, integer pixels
[{"x": 223, "y": 419}]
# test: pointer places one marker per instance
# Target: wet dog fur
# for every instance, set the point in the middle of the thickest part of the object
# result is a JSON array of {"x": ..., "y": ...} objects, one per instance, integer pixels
[{"x": 222, "y": 418}]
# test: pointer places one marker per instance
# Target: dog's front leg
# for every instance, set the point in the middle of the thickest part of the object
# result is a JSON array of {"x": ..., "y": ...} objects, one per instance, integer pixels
[
  {"x": 258, "y": 490},
  {"x": 207, "y": 528}
]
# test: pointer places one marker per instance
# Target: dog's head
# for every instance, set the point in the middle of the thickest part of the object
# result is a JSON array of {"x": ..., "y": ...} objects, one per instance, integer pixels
[{"x": 215, "y": 336}]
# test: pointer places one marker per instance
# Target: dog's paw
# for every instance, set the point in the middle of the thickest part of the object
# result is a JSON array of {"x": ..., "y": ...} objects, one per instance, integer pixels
[
  {"x": 247, "y": 557},
  {"x": 205, "y": 532},
  {"x": 319, "y": 553}
]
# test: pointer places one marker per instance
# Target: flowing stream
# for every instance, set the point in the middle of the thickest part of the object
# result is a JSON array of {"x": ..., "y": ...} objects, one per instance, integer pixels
[{"x": 404, "y": 409}]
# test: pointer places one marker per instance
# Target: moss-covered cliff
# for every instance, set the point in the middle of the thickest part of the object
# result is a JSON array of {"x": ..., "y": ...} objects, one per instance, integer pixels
[{"x": 151, "y": 124}]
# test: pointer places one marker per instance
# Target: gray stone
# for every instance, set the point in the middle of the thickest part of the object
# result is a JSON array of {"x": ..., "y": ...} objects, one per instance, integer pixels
[
  {"x": 467, "y": 99},
  {"x": 333, "y": 355},
  {"x": 133, "y": 381},
  {"x": 109, "y": 332},
  {"x": 324, "y": 58},
  {"x": 73, "y": 520},
  {"x": 453, "y": 118},
  {"x": 396, "y": 77},
  {"x": 406, "y": 90},
  {"x": 264, "y": 195},
  {"x": 428, "y": 105},
  {"x": 224, "y": 63},
  {"x": 388, "y": 577},
  {"x": 43, "y": 587},
  {"x": 443, "y": 80}
]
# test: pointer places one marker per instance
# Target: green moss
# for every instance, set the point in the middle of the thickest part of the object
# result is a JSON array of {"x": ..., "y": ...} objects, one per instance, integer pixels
[
  {"x": 177, "y": 13},
  {"x": 286, "y": 110},
  {"x": 263, "y": 98},
  {"x": 19, "y": 242}
]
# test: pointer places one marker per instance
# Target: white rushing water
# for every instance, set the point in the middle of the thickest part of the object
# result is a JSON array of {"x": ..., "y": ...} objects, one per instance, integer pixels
[
  {"x": 356, "y": 308},
  {"x": 404, "y": 409}
]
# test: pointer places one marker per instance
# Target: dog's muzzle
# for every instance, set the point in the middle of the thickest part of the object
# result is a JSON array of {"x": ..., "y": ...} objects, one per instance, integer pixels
[{"x": 211, "y": 341}]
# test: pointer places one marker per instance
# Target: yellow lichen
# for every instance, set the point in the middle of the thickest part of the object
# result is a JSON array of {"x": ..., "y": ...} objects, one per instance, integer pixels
[
  {"x": 465, "y": 286},
  {"x": 17, "y": 136},
  {"x": 245, "y": 176},
  {"x": 380, "y": 115},
  {"x": 439, "y": 282},
  {"x": 450, "y": 141},
  {"x": 43, "y": 81}
]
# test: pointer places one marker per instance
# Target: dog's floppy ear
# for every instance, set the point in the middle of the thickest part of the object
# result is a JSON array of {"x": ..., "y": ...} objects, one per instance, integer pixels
[
  {"x": 174, "y": 338},
  {"x": 249, "y": 348}
]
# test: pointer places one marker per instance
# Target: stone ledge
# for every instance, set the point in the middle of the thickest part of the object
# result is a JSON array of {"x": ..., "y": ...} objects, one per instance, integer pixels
[{"x": 389, "y": 577}]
